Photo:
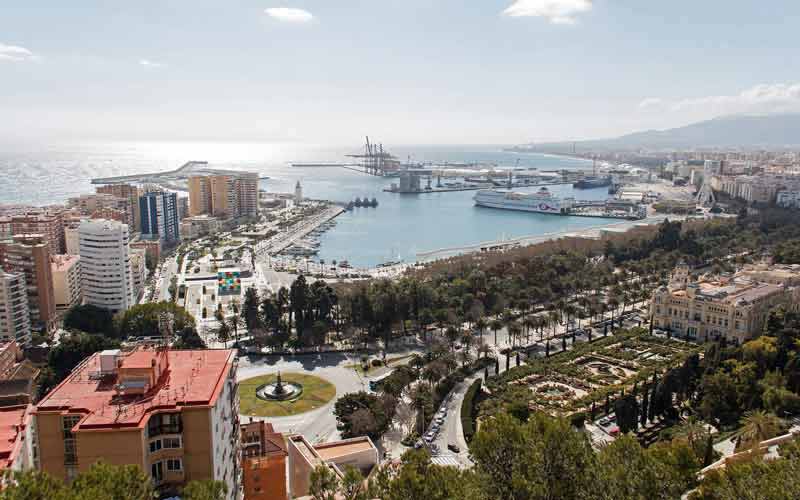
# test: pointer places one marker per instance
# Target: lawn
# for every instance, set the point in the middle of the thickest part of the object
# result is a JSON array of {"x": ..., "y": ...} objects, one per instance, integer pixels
[{"x": 316, "y": 393}]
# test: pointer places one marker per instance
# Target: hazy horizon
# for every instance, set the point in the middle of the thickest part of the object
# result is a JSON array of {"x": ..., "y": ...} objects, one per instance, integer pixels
[{"x": 495, "y": 72}]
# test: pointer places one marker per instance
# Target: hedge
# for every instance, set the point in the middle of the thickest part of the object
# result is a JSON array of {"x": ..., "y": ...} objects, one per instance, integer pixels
[{"x": 468, "y": 410}]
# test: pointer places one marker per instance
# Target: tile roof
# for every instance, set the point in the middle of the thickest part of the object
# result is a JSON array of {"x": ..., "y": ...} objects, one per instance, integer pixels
[{"x": 194, "y": 378}]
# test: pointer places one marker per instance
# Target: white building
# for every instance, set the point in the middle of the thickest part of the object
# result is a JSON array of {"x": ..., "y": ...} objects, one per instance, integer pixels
[
  {"x": 72, "y": 239},
  {"x": 788, "y": 199},
  {"x": 15, "y": 321},
  {"x": 66, "y": 271},
  {"x": 106, "y": 279}
]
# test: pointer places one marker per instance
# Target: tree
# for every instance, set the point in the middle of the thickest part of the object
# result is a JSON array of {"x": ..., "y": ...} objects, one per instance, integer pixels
[
  {"x": 188, "y": 339},
  {"x": 495, "y": 325},
  {"x": 758, "y": 426},
  {"x": 72, "y": 349},
  {"x": 250, "y": 314},
  {"x": 223, "y": 331},
  {"x": 173, "y": 288},
  {"x": 90, "y": 319},
  {"x": 323, "y": 483},
  {"x": 542, "y": 458},
  {"x": 362, "y": 413},
  {"x": 146, "y": 320},
  {"x": 417, "y": 478},
  {"x": 205, "y": 490}
]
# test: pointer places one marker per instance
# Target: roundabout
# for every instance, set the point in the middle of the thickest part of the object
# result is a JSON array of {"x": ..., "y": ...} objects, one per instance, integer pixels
[{"x": 283, "y": 394}]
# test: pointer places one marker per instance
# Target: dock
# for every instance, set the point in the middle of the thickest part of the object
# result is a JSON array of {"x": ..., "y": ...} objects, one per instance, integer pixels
[
  {"x": 282, "y": 241},
  {"x": 475, "y": 187}
]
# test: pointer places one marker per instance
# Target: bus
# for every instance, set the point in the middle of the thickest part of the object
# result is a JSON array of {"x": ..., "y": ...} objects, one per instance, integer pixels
[{"x": 376, "y": 383}]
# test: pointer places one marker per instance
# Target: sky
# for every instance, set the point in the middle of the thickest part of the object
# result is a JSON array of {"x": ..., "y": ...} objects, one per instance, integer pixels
[{"x": 405, "y": 71}]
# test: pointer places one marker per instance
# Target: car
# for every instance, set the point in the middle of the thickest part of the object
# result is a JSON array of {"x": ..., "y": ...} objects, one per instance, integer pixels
[
  {"x": 439, "y": 420},
  {"x": 452, "y": 447},
  {"x": 428, "y": 439},
  {"x": 603, "y": 421}
]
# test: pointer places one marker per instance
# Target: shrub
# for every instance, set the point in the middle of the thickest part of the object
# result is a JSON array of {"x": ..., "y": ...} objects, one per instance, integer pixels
[{"x": 468, "y": 410}]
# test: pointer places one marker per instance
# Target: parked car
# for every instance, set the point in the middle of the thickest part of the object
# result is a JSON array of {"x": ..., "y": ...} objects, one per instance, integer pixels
[{"x": 452, "y": 447}]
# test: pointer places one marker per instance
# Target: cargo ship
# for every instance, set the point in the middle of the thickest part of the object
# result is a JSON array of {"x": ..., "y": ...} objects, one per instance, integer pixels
[
  {"x": 541, "y": 201},
  {"x": 592, "y": 182}
]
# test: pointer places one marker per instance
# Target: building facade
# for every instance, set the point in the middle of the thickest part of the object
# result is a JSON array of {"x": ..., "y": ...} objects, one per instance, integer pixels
[
  {"x": 105, "y": 265},
  {"x": 128, "y": 191},
  {"x": 173, "y": 413},
  {"x": 48, "y": 224},
  {"x": 15, "y": 319},
  {"x": 159, "y": 214},
  {"x": 733, "y": 308},
  {"x": 66, "y": 271},
  {"x": 30, "y": 254},
  {"x": 230, "y": 195}
]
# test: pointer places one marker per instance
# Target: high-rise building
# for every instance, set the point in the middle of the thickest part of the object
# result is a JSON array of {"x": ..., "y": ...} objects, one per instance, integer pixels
[
  {"x": 72, "y": 240},
  {"x": 173, "y": 413},
  {"x": 247, "y": 186},
  {"x": 104, "y": 206},
  {"x": 199, "y": 195},
  {"x": 30, "y": 254},
  {"x": 105, "y": 265},
  {"x": 15, "y": 319},
  {"x": 183, "y": 207},
  {"x": 138, "y": 270},
  {"x": 159, "y": 213},
  {"x": 224, "y": 196},
  {"x": 125, "y": 191},
  {"x": 48, "y": 224},
  {"x": 66, "y": 281},
  {"x": 228, "y": 195}
]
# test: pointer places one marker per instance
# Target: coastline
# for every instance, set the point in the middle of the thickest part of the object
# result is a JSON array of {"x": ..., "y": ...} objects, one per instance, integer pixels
[{"x": 591, "y": 232}]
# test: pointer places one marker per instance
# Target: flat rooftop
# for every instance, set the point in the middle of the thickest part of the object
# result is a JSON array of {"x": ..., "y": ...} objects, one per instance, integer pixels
[
  {"x": 193, "y": 378},
  {"x": 332, "y": 451}
]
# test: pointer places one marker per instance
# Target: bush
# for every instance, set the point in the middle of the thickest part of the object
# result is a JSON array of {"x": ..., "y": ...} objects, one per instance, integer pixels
[
  {"x": 577, "y": 419},
  {"x": 376, "y": 362},
  {"x": 410, "y": 439},
  {"x": 468, "y": 410}
]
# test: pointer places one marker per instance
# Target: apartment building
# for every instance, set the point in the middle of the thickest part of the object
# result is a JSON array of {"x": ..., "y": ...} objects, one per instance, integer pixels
[
  {"x": 15, "y": 319},
  {"x": 103, "y": 205},
  {"x": 138, "y": 270},
  {"x": 173, "y": 413},
  {"x": 48, "y": 224},
  {"x": 230, "y": 195},
  {"x": 183, "y": 207},
  {"x": 159, "y": 213},
  {"x": 714, "y": 307},
  {"x": 359, "y": 452},
  {"x": 131, "y": 193},
  {"x": 106, "y": 279},
  {"x": 30, "y": 254},
  {"x": 264, "y": 472},
  {"x": 16, "y": 440},
  {"x": 66, "y": 270}
]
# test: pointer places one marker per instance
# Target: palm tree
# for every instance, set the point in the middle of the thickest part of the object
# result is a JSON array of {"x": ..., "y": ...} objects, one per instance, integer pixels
[
  {"x": 758, "y": 426},
  {"x": 466, "y": 341},
  {"x": 495, "y": 325},
  {"x": 480, "y": 324},
  {"x": 529, "y": 323},
  {"x": 514, "y": 329}
]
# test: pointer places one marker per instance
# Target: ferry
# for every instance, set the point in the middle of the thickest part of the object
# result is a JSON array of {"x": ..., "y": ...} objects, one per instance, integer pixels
[{"x": 541, "y": 201}]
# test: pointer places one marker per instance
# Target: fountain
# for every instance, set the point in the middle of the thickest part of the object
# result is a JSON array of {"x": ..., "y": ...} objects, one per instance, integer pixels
[{"x": 279, "y": 390}]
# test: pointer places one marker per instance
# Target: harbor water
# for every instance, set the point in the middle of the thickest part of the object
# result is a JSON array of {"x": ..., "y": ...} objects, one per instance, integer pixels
[{"x": 401, "y": 226}]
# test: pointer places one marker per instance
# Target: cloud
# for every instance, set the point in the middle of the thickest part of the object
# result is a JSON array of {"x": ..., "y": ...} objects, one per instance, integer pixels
[
  {"x": 150, "y": 64},
  {"x": 764, "y": 97},
  {"x": 289, "y": 15},
  {"x": 650, "y": 103},
  {"x": 555, "y": 11},
  {"x": 15, "y": 53}
]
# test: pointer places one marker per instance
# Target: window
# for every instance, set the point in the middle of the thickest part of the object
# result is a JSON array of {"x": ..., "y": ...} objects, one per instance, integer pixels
[
  {"x": 174, "y": 464},
  {"x": 172, "y": 442},
  {"x": 155, "y": 445},
  {"x": 157, "y": 471}
]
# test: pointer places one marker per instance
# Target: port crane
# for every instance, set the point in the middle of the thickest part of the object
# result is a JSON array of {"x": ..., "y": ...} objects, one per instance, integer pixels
[{"x": 376, "y": 161}]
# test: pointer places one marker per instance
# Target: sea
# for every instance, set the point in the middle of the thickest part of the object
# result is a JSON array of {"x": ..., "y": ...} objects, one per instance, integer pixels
[{"x": 400, "y": 227}]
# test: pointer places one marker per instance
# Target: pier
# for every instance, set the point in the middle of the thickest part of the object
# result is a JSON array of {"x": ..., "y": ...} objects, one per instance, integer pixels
[{"x": 282, "y": 241}]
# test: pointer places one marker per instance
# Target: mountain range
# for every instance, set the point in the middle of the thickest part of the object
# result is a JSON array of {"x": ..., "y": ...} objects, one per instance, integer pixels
[{"x": 772, "y": 131}]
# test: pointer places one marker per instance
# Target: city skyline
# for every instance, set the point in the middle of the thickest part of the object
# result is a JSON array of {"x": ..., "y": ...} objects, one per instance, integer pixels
[{"x": 499, "y": 71}]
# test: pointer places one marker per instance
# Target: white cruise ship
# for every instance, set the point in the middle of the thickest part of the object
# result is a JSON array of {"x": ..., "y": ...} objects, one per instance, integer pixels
[{"x": 542, "y": 201}]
